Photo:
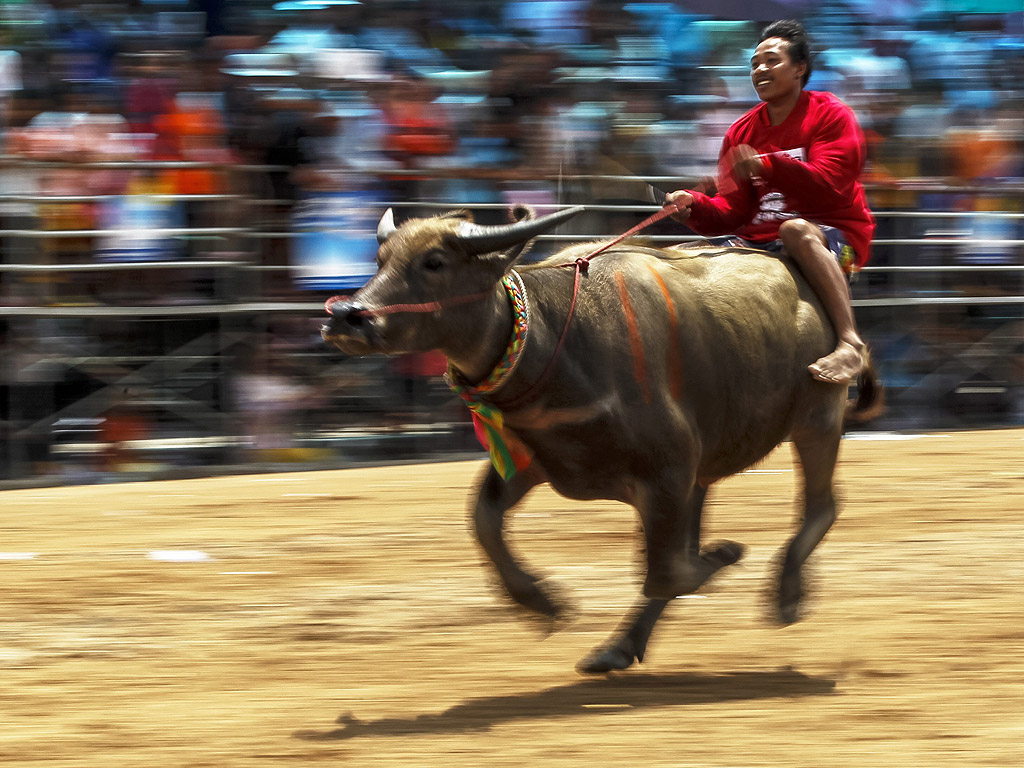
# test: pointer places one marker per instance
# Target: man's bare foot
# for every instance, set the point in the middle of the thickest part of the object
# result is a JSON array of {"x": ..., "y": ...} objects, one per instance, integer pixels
[{"x": 840, "y": 366}]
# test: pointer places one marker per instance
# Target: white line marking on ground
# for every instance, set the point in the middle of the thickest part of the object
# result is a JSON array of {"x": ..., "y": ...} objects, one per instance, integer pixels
[
  {"x": 887, "y": 436},
  {"x": 178, "y": 555}
]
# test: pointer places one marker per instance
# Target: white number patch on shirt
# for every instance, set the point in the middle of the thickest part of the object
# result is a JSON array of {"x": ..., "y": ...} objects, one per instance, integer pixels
[
  {"x": 797, "y": 153},
  {"x": 773, "y": 204}
]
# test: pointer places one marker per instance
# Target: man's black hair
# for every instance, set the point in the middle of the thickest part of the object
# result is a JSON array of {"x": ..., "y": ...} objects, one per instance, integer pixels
[{"x": 793, "y": 32}]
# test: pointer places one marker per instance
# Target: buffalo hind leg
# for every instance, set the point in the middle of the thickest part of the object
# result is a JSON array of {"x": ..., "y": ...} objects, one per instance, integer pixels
[
  {"x": 676, "y": 565},
  {"x": 495, "y": 498},
  {"x": 817, "y": 454}
]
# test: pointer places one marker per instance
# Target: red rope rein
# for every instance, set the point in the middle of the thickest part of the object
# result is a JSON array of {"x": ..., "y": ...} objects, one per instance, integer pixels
[
  {"x": 580, "y": 266},
  {"x": 581, "y": 263},
  {"x": 428, "y": 306}
]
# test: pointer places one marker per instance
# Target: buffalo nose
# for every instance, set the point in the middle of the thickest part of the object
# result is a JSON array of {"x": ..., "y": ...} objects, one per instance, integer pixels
[
  {"x": 346, "y": 312},
  {"x": 347, "y": 319}
]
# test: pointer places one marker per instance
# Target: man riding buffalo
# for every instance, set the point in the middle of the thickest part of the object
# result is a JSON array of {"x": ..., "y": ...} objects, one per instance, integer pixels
[{"x": 790, "y": 170}]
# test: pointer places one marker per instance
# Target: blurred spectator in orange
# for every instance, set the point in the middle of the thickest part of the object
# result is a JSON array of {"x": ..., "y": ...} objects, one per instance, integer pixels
[
  {"x": 193, "y": 132},
  {"x": 984, "y": 145},
  {"x": 418, "y": 128}
]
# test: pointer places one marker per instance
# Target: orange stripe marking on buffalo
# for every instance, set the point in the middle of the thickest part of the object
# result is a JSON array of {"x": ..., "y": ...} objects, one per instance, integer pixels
[
  {"x": 636, "y": 344},
  {"x": 673, "y": 359}
]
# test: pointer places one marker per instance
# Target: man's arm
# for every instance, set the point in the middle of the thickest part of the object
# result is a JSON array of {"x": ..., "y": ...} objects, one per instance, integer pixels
[{"x": 723, "y": 213}]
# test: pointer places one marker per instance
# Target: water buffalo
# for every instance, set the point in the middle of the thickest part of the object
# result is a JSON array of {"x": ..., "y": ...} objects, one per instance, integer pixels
[{"x": 642, "y": 376}]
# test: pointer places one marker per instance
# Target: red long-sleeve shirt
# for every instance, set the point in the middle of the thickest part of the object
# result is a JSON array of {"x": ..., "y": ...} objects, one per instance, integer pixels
[{"x": 813, "y": 160}]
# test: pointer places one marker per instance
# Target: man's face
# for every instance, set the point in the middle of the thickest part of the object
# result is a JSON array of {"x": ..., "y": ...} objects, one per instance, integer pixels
[{"x": 773, "y": 72}]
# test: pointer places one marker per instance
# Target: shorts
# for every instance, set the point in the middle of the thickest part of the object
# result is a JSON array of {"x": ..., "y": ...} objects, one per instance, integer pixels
[{"x": 834, "y": 238}]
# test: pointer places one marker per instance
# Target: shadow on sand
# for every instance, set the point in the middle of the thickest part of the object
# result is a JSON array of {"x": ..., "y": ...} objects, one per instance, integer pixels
[{"x": 636, "y": 691}]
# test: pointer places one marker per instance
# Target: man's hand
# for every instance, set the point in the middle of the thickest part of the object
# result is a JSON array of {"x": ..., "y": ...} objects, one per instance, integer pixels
[
  {"x": 679, "y": 202},
  {"x": 745, "y": 162}
]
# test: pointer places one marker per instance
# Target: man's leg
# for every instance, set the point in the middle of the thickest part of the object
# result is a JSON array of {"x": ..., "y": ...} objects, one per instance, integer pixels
[{"x": 805, "y": 244}]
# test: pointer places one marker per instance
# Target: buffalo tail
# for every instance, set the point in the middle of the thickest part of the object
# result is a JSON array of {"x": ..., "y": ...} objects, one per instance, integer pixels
[{"x": 870, "y": 401}]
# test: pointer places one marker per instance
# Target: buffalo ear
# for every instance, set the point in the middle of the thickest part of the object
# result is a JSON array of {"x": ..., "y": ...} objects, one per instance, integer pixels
[
  {"x": 503, "y": 261},
  {"x": 521, "y": 212}
]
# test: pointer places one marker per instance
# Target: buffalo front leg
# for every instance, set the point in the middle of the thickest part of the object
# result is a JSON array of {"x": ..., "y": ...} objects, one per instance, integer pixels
[
  {"x": 495, "y": 498},
  {"x": 629, "y": 643},
  {"x": 676, "y": 565},
  {"x": 817, "y": 454}
]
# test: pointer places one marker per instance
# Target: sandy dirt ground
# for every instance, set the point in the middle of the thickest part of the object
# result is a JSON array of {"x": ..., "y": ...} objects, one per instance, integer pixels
[{"x": 344, "y": 618}]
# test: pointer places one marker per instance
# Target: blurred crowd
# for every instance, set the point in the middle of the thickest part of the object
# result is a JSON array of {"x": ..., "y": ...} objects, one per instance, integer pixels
[
  {"x": 476, "y": 101},
  {"x": 169, "y": 130},
  {"x": 482, "y": 92}
]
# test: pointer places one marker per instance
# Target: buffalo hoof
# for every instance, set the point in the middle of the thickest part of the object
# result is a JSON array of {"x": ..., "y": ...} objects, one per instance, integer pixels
[
  {"x": 722, "y": 554},
  {"x": 605, "y": 660},
  {"x": 538, "y": 602},
  {"x": 790, "y": 594},
  {"x": 548, "y": 606}
]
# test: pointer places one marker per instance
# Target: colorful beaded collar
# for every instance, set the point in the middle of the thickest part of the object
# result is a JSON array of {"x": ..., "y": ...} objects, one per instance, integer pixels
[{"x": 508, "y": 453}]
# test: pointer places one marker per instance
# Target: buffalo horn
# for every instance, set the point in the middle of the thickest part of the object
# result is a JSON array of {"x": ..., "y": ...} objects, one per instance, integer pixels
[
  {"x": 487, "y": 239},
  {"x": 386, "y": 226}
]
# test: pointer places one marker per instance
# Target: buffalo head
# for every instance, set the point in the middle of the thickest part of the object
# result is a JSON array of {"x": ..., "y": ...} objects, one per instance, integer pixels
[{"x": 437, "y": 279}]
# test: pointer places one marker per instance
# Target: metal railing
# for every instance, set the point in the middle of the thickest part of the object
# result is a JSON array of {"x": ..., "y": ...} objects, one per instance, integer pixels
[{"x": 947, "y": 335}]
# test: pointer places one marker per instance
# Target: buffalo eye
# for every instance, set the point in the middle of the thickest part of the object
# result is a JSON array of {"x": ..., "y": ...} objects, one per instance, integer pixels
[{"x": 433, "y": 262}]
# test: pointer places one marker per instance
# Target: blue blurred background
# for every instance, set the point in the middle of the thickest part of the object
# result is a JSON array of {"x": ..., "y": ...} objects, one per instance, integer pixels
[{"x": 182, "y": 184}]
